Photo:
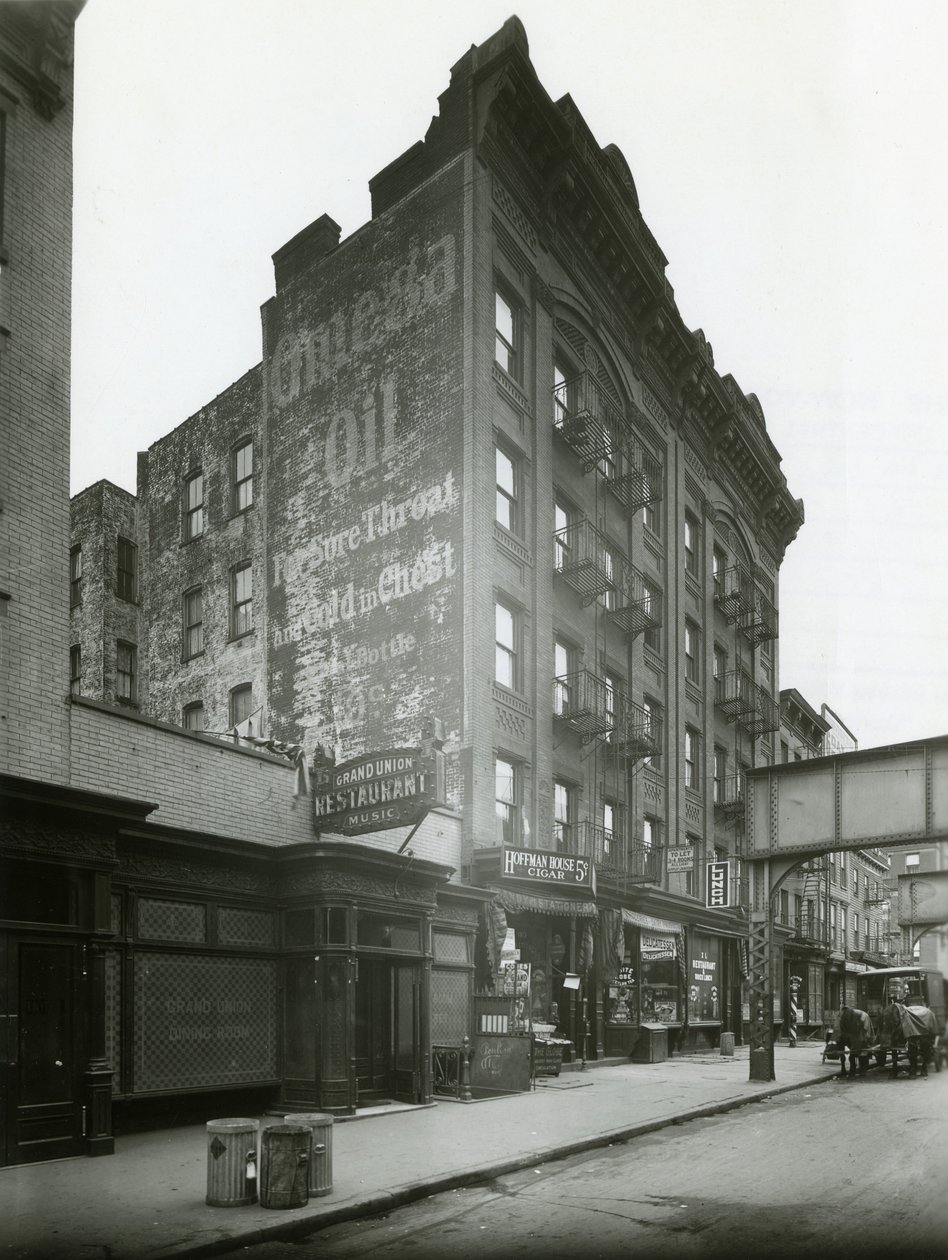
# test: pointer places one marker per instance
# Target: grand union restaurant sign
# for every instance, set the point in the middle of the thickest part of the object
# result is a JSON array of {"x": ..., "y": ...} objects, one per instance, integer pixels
[{"x": 373, "y": 792}]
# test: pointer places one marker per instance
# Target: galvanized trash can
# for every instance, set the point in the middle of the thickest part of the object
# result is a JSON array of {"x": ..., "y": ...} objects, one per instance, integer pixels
[
  {"x": 232, "y": 1162},
  {"x": 320, "y": 1161},
  {"x": 284, "y": 1165},
  {"x": 727, "y": 1043}
]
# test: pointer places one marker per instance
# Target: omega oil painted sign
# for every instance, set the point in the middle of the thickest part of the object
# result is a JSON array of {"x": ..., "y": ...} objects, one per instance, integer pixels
[
  {"x": 547, "y": 870},
  {"x": 372, "y": 793},
  {"x": 718, "y": 885}
]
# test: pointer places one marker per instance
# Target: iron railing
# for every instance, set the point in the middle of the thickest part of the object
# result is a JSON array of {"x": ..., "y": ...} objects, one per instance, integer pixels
[{"x": 744, "y": 702}]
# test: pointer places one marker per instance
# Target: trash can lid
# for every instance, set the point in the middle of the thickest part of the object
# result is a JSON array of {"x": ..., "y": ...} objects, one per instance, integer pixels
[{"x": 233, "y": 1124}]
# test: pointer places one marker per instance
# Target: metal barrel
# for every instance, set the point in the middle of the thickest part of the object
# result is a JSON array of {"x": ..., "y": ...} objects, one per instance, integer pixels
[
  {"x": 284, "y": 1165},
  {"x": 232, "y": 1162},
  {"x": 320, "y": 1163}
]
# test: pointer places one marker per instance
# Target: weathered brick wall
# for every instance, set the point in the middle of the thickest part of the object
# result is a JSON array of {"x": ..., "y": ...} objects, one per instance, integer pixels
[
  {"x": 35, "y": 288},
  {"x": 363, "y": 357},
  {"x": 198, "y": 783},
  {"x": 172, "y": 565},
  {"x": 99, "y": 516}
]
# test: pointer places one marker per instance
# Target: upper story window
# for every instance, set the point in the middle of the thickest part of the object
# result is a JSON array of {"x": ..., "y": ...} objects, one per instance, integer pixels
[
  {"x": 562, "y": 541},
  {"x": 242, "y": 476},
  {"x": 612, "y": 690},
  {"x": 126, "y": 672},
  {"x": 692, "y": 758},
  {"x": 652, "y": 606},
  {"x": 126, "y": 576},
  {"x": 564, "y": 815},
  {"x": 507, "y": 789},
  {"x": 193, "y": 622},
  {"x": 718, "y": 566},
  {"x": 692, "y": 544},
  {"x": 561, "y": 393},
  {"x": 912, "y": 859},
  {"x": 507, "y": 334},
  {"x": 651, "y": 830},
  {"x": 610, "y": 812},
  {"x": 75, "y": 670},
  {"x": 241, "y": 703},
  {"x": 192, "y": 716},
  {"x": 651, "y": 514},
  {"x": 75, "y": 574},
  {"x": 692, "y": 652},
  {"x": 720, "y": 774},
  {"x": 193, "y": 506},
  {"x": 564, "y": 665},
  {"x": 506, "y": 646},
  {"x": 241, "y": 600},
  {"x": 508, "y": 510}
]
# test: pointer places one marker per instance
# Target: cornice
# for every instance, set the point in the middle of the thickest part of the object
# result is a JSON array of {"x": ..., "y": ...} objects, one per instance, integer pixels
[{"x": 36, "y": 50}]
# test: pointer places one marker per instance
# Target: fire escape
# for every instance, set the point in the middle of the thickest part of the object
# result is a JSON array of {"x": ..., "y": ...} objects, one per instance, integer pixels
[
  {"x": 596, "y": 569},
  {"x": 740, "y": 597},
  {"x": 745, "y": 702}
]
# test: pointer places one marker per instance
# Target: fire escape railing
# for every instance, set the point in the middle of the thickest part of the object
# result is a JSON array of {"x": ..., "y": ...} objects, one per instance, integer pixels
[
  {"x": 739, "y": 596},
  {"x": 594, "y": 708},
  {"x": 730, "y": 793},
  {"x": 597, "y": 569},
  {"x": 751, "y": 706},
  {"x": 593, "y": 426},
  {"x": 618, "y": 861}
]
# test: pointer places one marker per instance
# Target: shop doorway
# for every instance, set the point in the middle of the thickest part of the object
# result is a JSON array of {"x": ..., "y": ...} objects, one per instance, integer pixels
[
  {"x": 387, "y": 1031},
  {"x": 41, "y": 1050}
]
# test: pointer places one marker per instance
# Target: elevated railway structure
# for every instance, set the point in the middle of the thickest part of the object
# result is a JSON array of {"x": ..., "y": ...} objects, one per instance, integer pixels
[{"x": 890, "y": 797}]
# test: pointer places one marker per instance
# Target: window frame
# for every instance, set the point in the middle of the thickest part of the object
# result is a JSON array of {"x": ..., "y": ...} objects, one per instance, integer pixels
[
  {"x": 238, "y": 482},
  {"x": 127, "y": 695},
  {"x": 508, "y": 353},
  {"x": 234, "y": 696},
  {"x": 507, "y": 809},
  {"x": 692, "y": 759},
  {"x": 563, "y": 376},
  {"x": 75, "y": 669},
  {"x": 563, "y": 691},
  {"x": 510, "y": 652},
  {"x": 191, "y": 626},
  {"x": 75, "y": 576},
  {"x": 193, "y": 521},
  {"x": 195, "y": 706},
  {"x": 511, "y": 498},
  {"x": 692, "y": 545},
  {"x": 719, "y": 773},
  {"x": 692, "y": 652},
  {"x": 241, "y": 610},
  {"x": 565, "y": 802},
  {"x": 654, "y": 593},
  {"x": 126, "y": 575}
]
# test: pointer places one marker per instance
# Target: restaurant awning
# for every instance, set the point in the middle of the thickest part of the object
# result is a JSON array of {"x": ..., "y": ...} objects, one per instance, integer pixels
[{"x": 632, "y": 918}]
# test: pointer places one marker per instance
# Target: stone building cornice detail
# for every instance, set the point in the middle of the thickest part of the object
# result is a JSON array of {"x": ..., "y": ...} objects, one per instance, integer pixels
[{"x": 42, "y": 36}]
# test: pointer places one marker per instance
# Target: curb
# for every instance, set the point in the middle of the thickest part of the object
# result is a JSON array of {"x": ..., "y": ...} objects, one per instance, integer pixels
[{"x": 412, "y": 1191}]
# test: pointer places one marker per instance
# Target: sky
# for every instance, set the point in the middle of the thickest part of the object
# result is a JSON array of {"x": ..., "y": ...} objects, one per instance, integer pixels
[{"x": 789, "y": 158}]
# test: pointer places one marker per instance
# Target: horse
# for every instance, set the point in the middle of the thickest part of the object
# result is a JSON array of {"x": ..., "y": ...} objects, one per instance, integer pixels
[{"x": 855, "y": 1031}]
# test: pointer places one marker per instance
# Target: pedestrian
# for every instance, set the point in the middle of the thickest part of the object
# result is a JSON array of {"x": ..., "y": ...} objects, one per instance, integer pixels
[{"x": 891, "y": 1037}]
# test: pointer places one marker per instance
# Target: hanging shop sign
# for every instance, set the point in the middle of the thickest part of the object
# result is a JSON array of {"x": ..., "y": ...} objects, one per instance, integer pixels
[
  {"x": 718, "y": 885},
  {"x": 539, "y": 866},
  {"x": 374, "y": 792},
  {"x": 682, "y": 859},
  {"x": 655, "y": 945}
]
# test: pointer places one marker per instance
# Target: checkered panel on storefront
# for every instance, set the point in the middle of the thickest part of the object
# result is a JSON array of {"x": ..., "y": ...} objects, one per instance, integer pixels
[
  {"x": 113, "y": 1015},
  {"x": 450, "y": 1006},
  {"x": 244, "y": 927},
  {"x": 203, "y": 1021},
  {"x": 171, "y": 921}
]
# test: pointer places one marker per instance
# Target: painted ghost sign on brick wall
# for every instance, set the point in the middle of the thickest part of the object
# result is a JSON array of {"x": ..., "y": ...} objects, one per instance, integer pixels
[{"x": 364, "y": 391}]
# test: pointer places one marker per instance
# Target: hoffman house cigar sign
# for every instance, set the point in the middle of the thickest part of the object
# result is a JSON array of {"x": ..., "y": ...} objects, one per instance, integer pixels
[{"x": 390, "y": 789}]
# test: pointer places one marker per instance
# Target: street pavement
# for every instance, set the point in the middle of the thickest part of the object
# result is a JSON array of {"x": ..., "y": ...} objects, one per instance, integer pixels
[{"x": 146, "y": 1201}]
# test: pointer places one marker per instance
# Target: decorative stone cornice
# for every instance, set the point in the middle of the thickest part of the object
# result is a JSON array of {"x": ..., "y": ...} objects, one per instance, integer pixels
[{"x": 36, "y": 50}]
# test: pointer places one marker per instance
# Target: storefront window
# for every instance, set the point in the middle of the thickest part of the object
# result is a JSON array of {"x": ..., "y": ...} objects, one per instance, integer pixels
[
  {"x": 704, "y": 980},
  {"x": 660, "y": 978}
]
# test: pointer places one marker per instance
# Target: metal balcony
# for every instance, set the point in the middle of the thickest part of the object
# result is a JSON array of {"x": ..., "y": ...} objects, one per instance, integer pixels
[
  {"x": 585, "y": 418},
  {"x": 586, "y": 560},
  {"x": 585, "y": 703},
  {"x": 637, "y": 477},
  {"x": 634, "y": 606},
  {"x": 760, "y": 622},
  {"x": 619, "y": 862},
  {"x": 752, "y": 707},
  {"x": 809, "y": 928},
  {"x": 742, "y": 601},
  {"x": 878, "y": 894},
  {"x": 730, "y": 793}
]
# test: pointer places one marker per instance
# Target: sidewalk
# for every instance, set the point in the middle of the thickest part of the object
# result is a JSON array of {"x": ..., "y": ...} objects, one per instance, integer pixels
[{"x": 147, "y": 1200}]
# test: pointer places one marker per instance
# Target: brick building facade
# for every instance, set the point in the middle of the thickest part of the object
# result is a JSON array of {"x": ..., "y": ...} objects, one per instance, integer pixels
[{"x": 486, "y": 483}]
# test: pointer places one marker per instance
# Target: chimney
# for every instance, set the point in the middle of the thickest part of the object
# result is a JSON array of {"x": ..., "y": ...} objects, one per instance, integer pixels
[{"x": 305, "y": 248}]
